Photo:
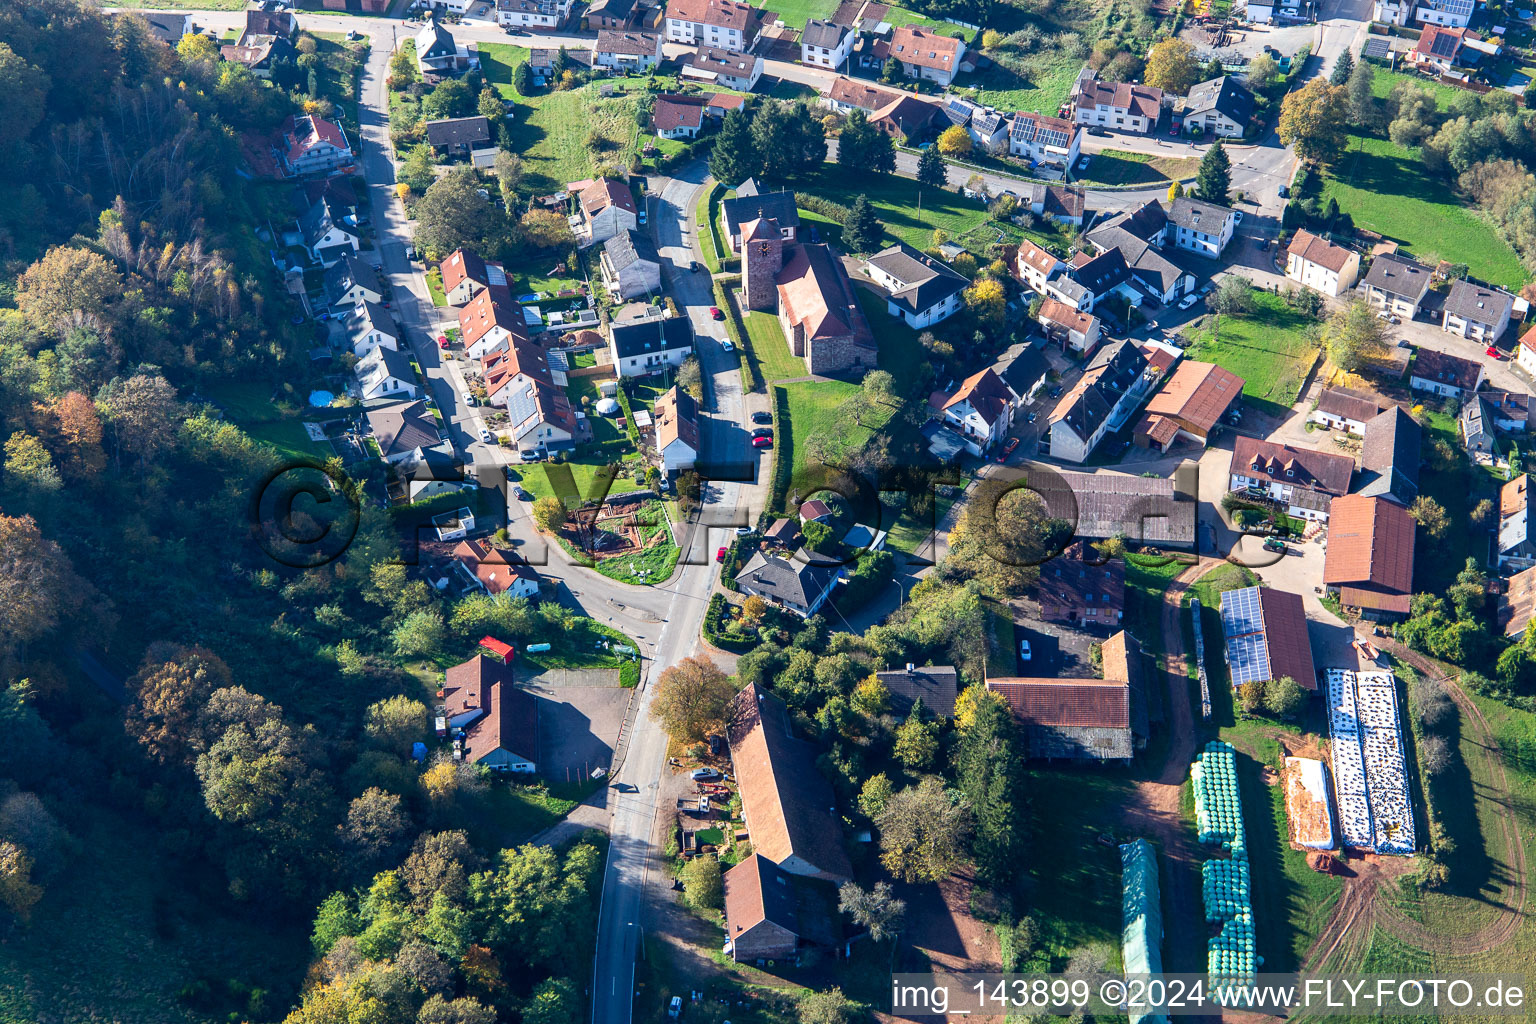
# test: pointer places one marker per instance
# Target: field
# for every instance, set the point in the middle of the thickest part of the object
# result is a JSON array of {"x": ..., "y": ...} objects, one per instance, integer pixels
[
  {"x": 249, "y": 405},
  {"x": 1386, "y": 189},
  {"x": 910, "y": 213},
  {"x": 1114, "y": 167},
  {"x": 1042, "y": 94},
  {"x": 812, "y": 411},
  {"x": 796, "y": 12},
  {"x": 552, "y": 130},
  {"x": 1271, "y": 348},
  {"x": 766, "y": 344}
]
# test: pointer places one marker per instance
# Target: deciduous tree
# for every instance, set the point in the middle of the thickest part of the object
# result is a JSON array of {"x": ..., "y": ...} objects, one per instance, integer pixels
[
  {"x": 1284, "y": 697},
  {"x": 38, "y": 585},
  {"x": 64, "y": 280},
  {"x": 702, "y": 884},
  {"x": 394, "y": 723},
  {"x": 549, "y": 514},
  {"x": 987, "y": 301},
  {"x": 1314, "y": 119},
  {"x": 954, "y": 141},
  {"x": 876, "y": 909},
  {"x": 1431, "y": 516},
  {"x": 923, "y": 831},
  {"x": 376, "y": 827},
  {"x": 829, "y": 1007},
  {"x": 170, "y": 691},
  {"x": 1171, "y": 66},
  {"x": 1354, "y": 336},
  {"x": 691, "y": 699}
]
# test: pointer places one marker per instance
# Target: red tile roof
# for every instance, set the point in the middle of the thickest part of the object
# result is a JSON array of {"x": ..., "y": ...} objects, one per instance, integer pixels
[
  {"x": 860, "y": 94},
  {"x": 494, "y": 567},
  {"x": 1370, "y": 543},
  {"x": 1197, "y": 393},
  {"x": 986, "y": 392},
  {"x": 1310, "y": 247},
  {"x": 673, "y": 112},
  {"x": 490, "y": 308},
  {"x": 925, "y": 49},
  {"x": 723, "y": 13},
  {"x": 603, "y": 193}
]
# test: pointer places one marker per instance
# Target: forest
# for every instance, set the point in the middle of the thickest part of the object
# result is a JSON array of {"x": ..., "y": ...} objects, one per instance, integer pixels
[{"x": 204, "y": 745}]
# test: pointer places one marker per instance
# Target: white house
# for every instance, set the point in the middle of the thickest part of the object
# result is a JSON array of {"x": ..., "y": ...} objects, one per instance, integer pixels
[
  {"x": 1120, "y": 105},
  {"x": 630, "y": 265},
  {"x": 626, "y": 51},
  {"x": 403, "y": 431},
  {"x": 1102, "y": 400},
  {"x": 370, "y": 326},
  {"x": 1392, "y": 12},
  {"x": 1260, "y": 12},
  {"x": 494, "y": 570},
  {"x": 311, "y": 144},
  {"x": 490, "y": 322},
  {"x": 1396, "y": 284},
  {"x": 1446, "y": 13},
  {"x": 1045, "y": 140},
  {"x": 1219, "y": 107},
  {"x": 725, "y": 68},
  {"x": 607, "y": 207},
  {"x": 924, "y": 53},
  {"x": 643, "y": 347},
  {"x": 825, "y": 44},
  {"x": 980, "y": 410},
  {"x": 1304, "y": 480},
  {"x": 720, "y": 24},
  {"x": 1200, "y": 227},
  {"x": 1345, "y": 409},
  {"x": 678, "y": 117},
  {"x": 530, "y": 14},
  {"x": 923, "y": 290},
  {"x": 1477, "y": 312},
  {"x": 326, "y": 231},
  {"x": 1035, "y": 266},
  {"x": 795, "y": 584},
  {"x": 1318, "y": 264},
  {"x": 386, "y": 373},
  {"x": 1444, "y": 374},
  {"x": 677, "y": 430},
  {"x": 518, "y": 380},
  {"x": 350, "y": 281},
  {"x": 990, "y": 130},
  {"x": 1526, "y": 354},
  {"x": 1072, "y": 328}
]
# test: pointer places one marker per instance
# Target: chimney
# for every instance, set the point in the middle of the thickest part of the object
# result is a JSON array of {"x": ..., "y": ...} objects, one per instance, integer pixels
[{"x": 910, "y": 667}]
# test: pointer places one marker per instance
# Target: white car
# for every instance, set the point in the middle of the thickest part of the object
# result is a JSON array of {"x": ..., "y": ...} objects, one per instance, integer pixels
[
  {"x": 728, "y": 345},
  {"x": 487, "y": 436},
  {"x": 1188, "y": 300},
  {"x": 1237, "y": 216},
  {"x": 467, "y": 398},
  {"x": 1024, "y": 652}
]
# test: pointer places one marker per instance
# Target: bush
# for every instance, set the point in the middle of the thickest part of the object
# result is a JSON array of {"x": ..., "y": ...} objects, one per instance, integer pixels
[
  {"x": 702, "y": 884},
  {"x": 828, "y": 209}
]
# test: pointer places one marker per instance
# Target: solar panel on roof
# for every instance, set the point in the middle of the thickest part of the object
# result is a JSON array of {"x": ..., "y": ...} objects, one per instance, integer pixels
[
  {"x": 1248, "y": 659},
  {"x": 1240, "y": 612}
]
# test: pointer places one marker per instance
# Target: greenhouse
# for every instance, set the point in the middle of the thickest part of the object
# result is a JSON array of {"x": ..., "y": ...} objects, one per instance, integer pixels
[{"x": 1142, "y": 917}]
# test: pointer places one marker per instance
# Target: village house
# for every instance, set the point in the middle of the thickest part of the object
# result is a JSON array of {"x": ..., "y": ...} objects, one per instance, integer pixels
[
  {"x": 1103, "y": 398},
  {"x": 1516, "y": 540},
  {"x": 750, "y": 204},
  {"x": 368, "y": 326},
  {"x": 630, "y": 265},
  {"x": 459, "y": 136},
  {"x": 807, "y": 285},
  {"x": 1477, "y": 312},
  {"x": 1024, "y": 369},
  {"x": 1220, "y": 107},
  {"x": 1511, "y": 410},
  {"x": 980, "y": 410},
  {"x": 465, "y": 274},
  {"x": 936, "y": 686},
  {"x": 728, "y": 69},
  {"x": 1138, "y": 509},
  {"x": 924, "y": 53},
  {"x": 1396, "y": 284},
  {"x": 490, "y": 322},
  {"x": 825, "y": 44},
  {"x": 403, "y": 431},
  {"x": 785, "y": 800},
  {"x": 620, "y": 14},
  {"x": 1060, "y": 204},
  {"x": 1137, "y": 234},
  {"x": 437, "y": 52},
  {"x": 1083, "y": 718},
  {"x": 330, "y": 231},
  {"x": 795, "y": 582},
  {"x": 678, "y": 117},
  {"x": 626, "y": 51},
  {"x": 1318, "y": 264},
  {"x": 1200, "y": 227},
  {"x": 1525, "y": 353},
  {"x": 652, "y": 345},
  {"x": 719, "y": 24},
  {"x": 1035, "y": 266},
  {"x": 1517, "y": 604},
  {"x": 923, "y": 290},
  {"x": 1303, "y": 482},
  {"x": 1191, "y": 405},
  {"x": 1345, "y": 409},
  {"x": 351, "y": 281},
  {"x": 1045, "y": 140},
  {"x": 518, "y": 380},
  {"x": 1478, "y": 434},
  {"x": 1389, "y": 458},
  {"x": 1121, "y": 106},
  {"x": 771, "y": 913},
  {"x": 1080, "y": 587},
  {"x": 494, "y": 570},
  {"x": 676, "y": 418},
  {"x": 1069, "y": 327},
  {"x": 493, "y": 723},
  {"x": 543, "y": 15},
  {"x": 258, "y": 53},
  {"x": 845, "y": 95},
  {"x": 1441, "y": 49},
  {"x": 385, "y": 373},
  {"x": 1445, "y": 374},
  {"x": 607, "y": 207},
  {"x": 1369, "y": 560},
  {"x": 990, "y": 130}
]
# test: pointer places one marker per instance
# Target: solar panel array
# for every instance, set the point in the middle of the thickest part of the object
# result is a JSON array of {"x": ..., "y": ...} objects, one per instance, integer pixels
[
  {"x": 1369, "y": 776},
  {"x": 1242, "y": 623},
  {"x": 1029, "y": 128},
  {"x": 1459, "y": 8}
]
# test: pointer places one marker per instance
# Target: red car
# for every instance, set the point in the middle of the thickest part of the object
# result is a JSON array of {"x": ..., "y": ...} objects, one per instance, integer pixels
[
  {"x": 715, "y": 314},
  {"x": 1009, "y": 449},
  {"x": 720, "y": 554},
  {"x": 1493, "y": 352},
  {"x": 442, "y": 341},
  {"x": 762, "y": 442}
]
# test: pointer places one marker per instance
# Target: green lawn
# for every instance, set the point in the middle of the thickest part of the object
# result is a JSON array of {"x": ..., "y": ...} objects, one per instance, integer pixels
[
  {"x": 899, "y": 348},
  {"x": 564, "y": 136},
  {"x": 584, "y": 470},
  {"x": 1002, "y": 88},
  {"x": 812, "y": 412},
  {"x": 906, "y": 217},
  {"x": 1384, "y": 81},
  {"x": 435, "y": 287},
  {"x": 796, "y": 12},
  {"x": 1386, "y": 189},
  {"x": 1271, "y": 348},
  {"x": 766, "y": 344},
  {"x": 249, "y": 406},
  {"x": 1114, "y": 167},
  {"x": 704, "y": 225}
]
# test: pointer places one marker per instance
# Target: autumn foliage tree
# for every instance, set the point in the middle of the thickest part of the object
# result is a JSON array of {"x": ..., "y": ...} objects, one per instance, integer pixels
[
  {"x": 1171, "y": 66},
  {"x": 1314, "y": 120},
  {"x": 66, "y": 279},
  {"x": 691, "y": 699},
  {"x": 170, "y": 690},
  {"x": 38, "y": 585}
]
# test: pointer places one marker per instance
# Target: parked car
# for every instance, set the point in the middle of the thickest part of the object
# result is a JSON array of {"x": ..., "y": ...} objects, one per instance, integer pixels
[
  {"x": 1009, "y": 448},
  {"x": 1032, "y": 417},
  {"x": 1237, "y": 216},
  {"x": 763, "y": 432},
  {"x": 1188, "y": 300},
  {"x": 719, "y": 557},
  {"x": 1386, "y": 317},
  {"x": 762, "y": 417},
  {"x": 642, "y": 214},
  {"x": 442, "y": 341},
  {"x": 1285, "y": 192},
  {"x": 693, "y": 265},
  {"x": 728, "y": 345},
  {"x": 487, "y": 436},
  {"x": 530, "y": 455},
  {"x": 1024, "y": 652},
  {"x": 1492, "y": 352},
  {"x": 468, "y": 398},
  {"x": 762, "y": 442},
  {"x": 715, "y": 314}
]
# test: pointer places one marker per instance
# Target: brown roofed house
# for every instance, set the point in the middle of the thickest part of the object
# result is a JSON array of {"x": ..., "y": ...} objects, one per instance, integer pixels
[
  {"x": 1517, "y": 605},
  {"x": 770, "y": 912},
  {"x": 1305, "y": 481},
  {"x": 788, "y": 805},
  {"x": 497, "y": 570},
  {"x": 1083, "y": 719},
  {"x": 1369, "y": 564},
  {"x": 1191, "y": 404},
  {"x": 1081, "y": 587},
  {"x": 500, "y": 723},
  {"x": 1345, "y": 409}
]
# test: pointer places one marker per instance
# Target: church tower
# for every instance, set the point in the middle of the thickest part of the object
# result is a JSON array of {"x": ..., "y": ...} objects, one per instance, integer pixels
[{"x": 762, "y": 257}]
